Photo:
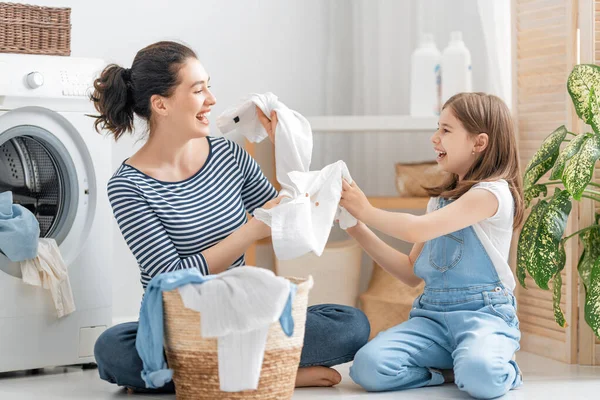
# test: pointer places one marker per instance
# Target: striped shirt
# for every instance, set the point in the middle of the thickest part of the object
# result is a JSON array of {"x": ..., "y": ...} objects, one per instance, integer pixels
[{"x": 167, "y": 225}]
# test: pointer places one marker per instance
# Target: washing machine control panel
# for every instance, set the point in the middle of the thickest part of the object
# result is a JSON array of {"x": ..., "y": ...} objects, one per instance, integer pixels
[
  {"x": 76, "y": 83},
  {"x": 35, "y": 80},
  {"x": 48, "y": 77}
]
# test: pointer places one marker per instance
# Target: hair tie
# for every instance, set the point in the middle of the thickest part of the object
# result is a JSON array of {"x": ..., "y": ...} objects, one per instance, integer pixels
[{"x": 126, "y": 74}]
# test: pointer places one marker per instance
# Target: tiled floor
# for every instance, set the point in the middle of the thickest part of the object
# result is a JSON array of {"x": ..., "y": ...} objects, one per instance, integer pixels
[{"x": 544, "y": 379}]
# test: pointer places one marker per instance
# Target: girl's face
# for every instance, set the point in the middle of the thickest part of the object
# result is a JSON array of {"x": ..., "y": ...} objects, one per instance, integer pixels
[
  {"x": 189, "y": 105},
  {"x": 454, "y": 145}
]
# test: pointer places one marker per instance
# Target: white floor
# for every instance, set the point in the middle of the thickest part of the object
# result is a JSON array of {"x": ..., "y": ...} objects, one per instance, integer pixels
[{"x": 544, "y": 379}]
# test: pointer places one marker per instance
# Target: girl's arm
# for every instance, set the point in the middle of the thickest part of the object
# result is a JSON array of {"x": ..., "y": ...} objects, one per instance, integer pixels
[
  {"x": 474, "y": 206},
  {"x": 396, "y": 263}
]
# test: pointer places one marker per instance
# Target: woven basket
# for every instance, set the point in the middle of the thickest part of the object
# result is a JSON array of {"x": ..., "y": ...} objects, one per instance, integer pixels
[
  {"x": 194, "y": 359},
  {"x": 411, "y": 179},
  {"x": 34, "y": 29},
  {"x": 387, "y": 302}
]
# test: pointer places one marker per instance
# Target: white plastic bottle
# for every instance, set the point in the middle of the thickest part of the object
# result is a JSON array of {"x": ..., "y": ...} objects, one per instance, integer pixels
[
  {"x": 456, "y": 67},
  {"x": 425, "y": 79}
]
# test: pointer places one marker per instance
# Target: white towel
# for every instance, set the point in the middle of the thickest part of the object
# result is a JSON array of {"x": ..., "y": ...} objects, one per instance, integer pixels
[
  {"x": 302, "y": 222},
  {"x": 238, "y": 306},
  {"x": 49, "y": 271}
]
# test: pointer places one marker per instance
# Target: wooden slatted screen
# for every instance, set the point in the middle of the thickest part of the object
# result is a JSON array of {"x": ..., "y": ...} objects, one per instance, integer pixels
[{"x": 544, "y": 56}]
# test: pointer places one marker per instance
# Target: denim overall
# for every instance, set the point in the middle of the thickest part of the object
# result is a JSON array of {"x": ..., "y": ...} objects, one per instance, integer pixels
[{"x": 465, "y": 319}]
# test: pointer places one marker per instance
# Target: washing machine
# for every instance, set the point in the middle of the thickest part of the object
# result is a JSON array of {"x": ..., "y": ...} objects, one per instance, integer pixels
[{"x": 57, "y": 166}]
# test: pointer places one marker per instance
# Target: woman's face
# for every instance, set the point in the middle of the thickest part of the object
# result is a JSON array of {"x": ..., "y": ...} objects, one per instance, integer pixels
[{"x": 189, "y": 105}]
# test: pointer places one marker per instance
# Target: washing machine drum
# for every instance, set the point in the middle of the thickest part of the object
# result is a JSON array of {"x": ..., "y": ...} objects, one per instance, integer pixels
[{"x": 34, "y": 169}]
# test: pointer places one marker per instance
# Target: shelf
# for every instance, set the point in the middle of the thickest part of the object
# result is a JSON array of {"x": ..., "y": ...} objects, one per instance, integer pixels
[
  {"x": 400, "y": 203},
  {"x": 358, "y": 123}
]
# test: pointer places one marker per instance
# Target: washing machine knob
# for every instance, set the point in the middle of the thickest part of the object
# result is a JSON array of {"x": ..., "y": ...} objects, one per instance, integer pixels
[{"x": 35, "y": 80}]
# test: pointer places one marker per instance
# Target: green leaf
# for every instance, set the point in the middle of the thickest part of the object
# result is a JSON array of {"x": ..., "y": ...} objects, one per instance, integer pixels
[
  {"x": 578, "y": 173},
  {"x": 559, "y": 316},
  {"x": 592, "y": 300},
  {"x": 583, "y": 85},
  {"x": 534, "y": 191},
  {"x": 533, "y": 175},
  {"x": 569, "y": 151},
  {"x": 547, "y": 151},
  {"x": 545, "y": 257},
  {"x": 526, "y": 245},
  {"x": 591, "y": 252}
]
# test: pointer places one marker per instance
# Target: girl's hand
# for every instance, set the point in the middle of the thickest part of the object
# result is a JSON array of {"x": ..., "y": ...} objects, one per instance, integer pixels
[
  {"x": 354, "y": 200},
  {"x": 355, "y": 230},
  {"x": 270, "y": 124}
]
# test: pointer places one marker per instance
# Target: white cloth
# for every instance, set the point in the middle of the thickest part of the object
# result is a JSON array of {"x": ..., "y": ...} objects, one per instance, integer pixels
[
  {"x": 302, "y": 222},
  {"x": 495, "y": 233},
  {"x": 238, "y": 306},
  {"x": 293, "y": 144},
  {"x": 49, "y": 271}
]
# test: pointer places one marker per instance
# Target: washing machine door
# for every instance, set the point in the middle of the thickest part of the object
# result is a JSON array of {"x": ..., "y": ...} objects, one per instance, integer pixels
[{"x": 44, "y": 166}]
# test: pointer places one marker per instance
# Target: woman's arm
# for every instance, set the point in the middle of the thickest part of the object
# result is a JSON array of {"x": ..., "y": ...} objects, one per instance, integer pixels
[
  {"x": 472, "y": 207},
  {"x": 396, "y": 263},
  {"x": 223, "y": 254}
]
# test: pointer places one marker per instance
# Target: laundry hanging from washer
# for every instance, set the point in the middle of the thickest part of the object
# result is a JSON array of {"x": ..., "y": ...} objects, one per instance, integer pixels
[
  {"x": 302, "y": 222},
  {"x": 19, "y": 230},
  {"x": 49, "y": 271}
]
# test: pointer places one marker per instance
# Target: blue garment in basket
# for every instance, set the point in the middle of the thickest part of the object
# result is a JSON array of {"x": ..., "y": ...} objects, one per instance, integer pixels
[
  {"x": 19, "y": 230},
  {"x": 150, "y": 335}
]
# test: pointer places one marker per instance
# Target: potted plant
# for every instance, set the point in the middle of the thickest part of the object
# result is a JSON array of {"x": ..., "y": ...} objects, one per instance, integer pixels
[{"x": 541, "y": 247}]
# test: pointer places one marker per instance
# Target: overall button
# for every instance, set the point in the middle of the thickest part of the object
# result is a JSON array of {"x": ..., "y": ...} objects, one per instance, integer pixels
[{"x": 498, "y": 289}]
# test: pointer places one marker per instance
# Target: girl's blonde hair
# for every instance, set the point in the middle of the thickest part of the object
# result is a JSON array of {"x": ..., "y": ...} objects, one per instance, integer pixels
[{"x": 484, "y": 113}]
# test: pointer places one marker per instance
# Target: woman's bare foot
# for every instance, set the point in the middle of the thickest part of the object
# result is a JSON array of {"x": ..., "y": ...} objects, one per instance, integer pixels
[
  {"x": 448, "y": 375},
  {"x": 317, "y": 376}
]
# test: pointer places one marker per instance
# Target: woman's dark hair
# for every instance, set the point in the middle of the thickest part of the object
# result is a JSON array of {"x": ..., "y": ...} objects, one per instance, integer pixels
[{"x": 119, "y": 93}]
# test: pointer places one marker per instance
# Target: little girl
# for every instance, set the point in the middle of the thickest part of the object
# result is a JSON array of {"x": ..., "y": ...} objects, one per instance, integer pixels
[{"x": 465, "y": 320}]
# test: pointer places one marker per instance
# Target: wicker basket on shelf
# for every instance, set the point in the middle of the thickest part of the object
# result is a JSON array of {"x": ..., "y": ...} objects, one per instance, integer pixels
[
  {"x": 411, "y": 179},
  {"x": 194, "y": 359},
  {"x": 387, "y": 302},
  {"x": 35, "y": 30}
]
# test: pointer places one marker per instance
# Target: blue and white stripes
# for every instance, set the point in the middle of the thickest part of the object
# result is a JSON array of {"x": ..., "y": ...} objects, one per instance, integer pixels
[{"x": 167, "y": 225}]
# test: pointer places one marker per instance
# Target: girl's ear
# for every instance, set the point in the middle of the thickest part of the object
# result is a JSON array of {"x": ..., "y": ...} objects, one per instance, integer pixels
[{"x": 481, "y": 142}]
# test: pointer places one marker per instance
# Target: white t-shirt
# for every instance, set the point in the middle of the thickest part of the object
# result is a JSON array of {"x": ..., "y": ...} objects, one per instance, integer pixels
[{"x": 495, "y": 233}]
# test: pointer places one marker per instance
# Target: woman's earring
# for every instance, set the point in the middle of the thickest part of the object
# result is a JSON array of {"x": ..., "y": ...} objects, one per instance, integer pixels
[{"x": 473, "y": 152}]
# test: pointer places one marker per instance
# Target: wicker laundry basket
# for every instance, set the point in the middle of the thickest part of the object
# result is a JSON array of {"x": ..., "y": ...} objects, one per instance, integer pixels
[
  {"x": 194, "y": 359},
  {"x": 35, "y": 30},
  {"x": 336, "y": 272},
  {"x": 387, "y": 302},
  {"x": 412, "y": 179}
]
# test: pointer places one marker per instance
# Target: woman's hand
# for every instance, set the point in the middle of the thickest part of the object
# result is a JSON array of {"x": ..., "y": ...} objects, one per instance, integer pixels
[
  {"x": 270, "y": 124},
  {"x": 261, "y": 230},
  {"x": 354, "y": 200}
]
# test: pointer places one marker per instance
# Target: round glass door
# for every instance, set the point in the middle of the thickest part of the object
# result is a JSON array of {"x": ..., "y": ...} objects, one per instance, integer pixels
[{"x": 37, "y": 169}]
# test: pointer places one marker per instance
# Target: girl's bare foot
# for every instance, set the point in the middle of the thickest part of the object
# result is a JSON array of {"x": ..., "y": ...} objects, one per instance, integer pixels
[{"x": 317, "y": 376}]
